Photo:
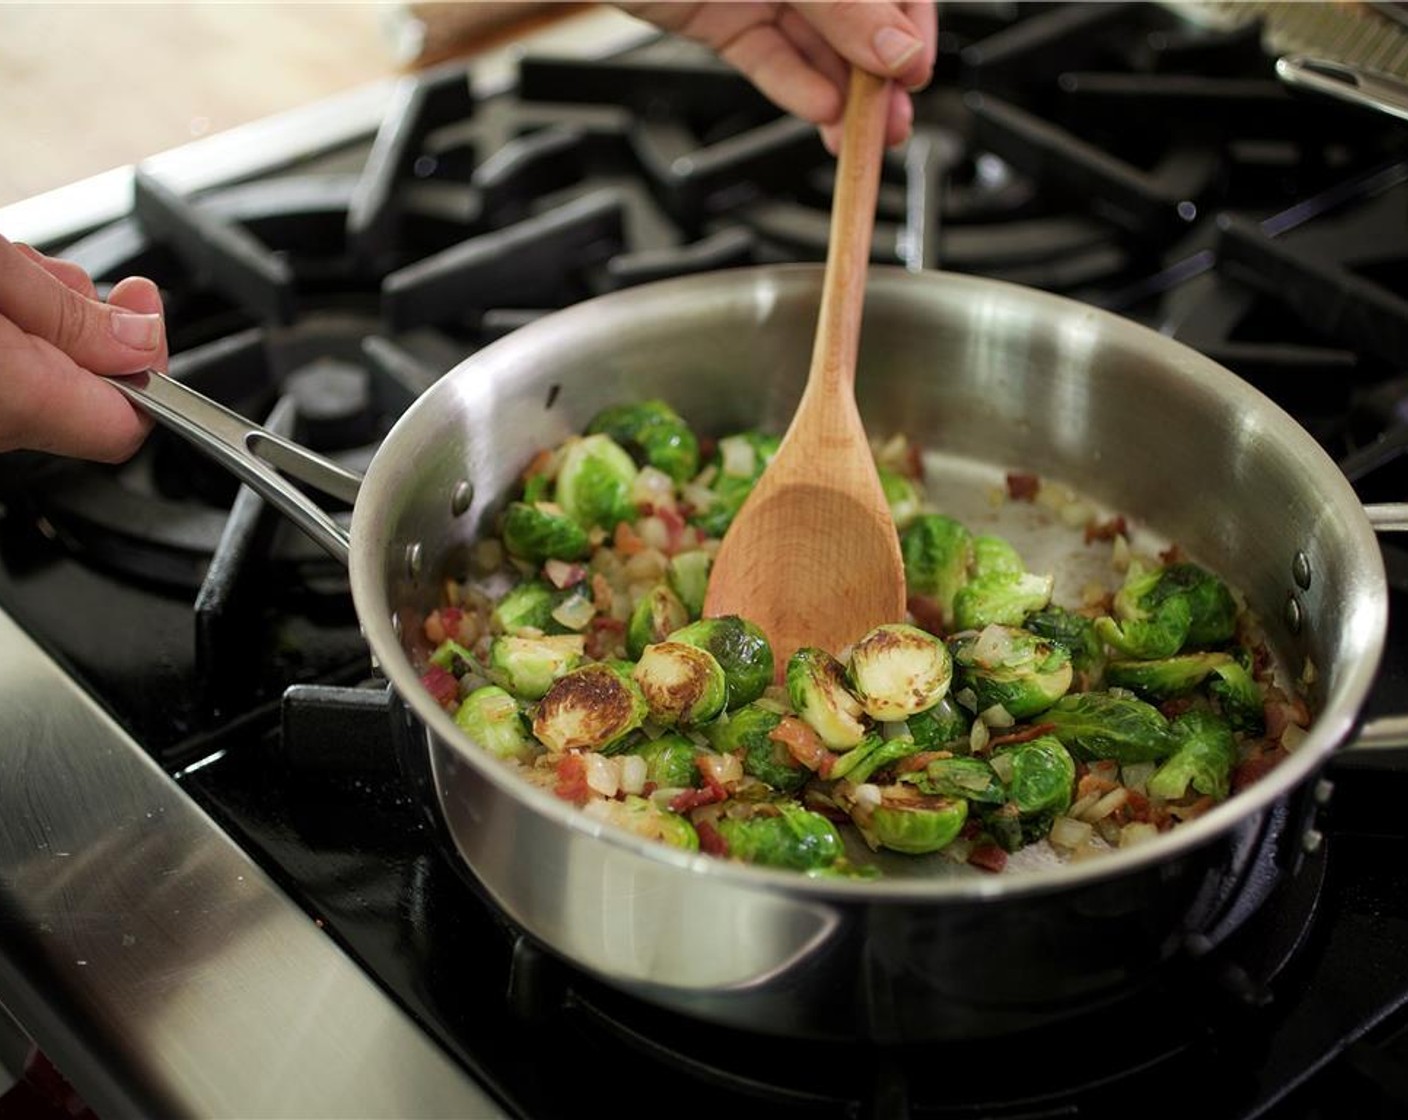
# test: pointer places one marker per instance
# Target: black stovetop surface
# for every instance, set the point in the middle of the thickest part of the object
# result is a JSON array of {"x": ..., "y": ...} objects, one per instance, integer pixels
[{"x": 1108, "y": 152}]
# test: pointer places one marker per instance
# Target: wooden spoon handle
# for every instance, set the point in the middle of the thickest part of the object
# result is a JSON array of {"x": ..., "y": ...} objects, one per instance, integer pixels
[{"x": 852, "y": 229}]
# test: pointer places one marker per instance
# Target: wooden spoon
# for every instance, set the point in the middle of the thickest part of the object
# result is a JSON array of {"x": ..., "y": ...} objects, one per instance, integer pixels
[{"x": 813, "y": 557}]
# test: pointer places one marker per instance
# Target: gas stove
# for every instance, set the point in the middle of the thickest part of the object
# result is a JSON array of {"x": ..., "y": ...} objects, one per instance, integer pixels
[{"x": 223, "y": 892}]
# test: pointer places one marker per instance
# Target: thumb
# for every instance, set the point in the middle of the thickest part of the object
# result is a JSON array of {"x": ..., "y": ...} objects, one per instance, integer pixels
[{"x": 105, "y": 338}]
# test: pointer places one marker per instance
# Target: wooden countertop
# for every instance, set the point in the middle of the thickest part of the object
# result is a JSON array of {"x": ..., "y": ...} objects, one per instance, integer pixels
[{"x": 90, "y": 87}]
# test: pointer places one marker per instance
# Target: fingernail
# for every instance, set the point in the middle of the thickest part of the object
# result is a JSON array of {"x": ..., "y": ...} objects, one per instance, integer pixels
[
  {"x": 895, "y": 47},
  {"x": 133, "y": 329}
]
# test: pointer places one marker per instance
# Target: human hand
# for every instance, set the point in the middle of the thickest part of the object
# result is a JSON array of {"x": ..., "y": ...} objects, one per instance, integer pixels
[
  {"x": 55, "y": 337},
  {"x": 799, "y": 54}
]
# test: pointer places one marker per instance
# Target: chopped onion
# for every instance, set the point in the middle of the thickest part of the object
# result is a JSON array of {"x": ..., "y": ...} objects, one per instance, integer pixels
[
  {"x": 996, "y": 716},
  {"x": 868, "y": 795},
  {"x": 1107, "y": 804},
  {"x": 978, "y": 737},
  {"x": 633, "y": 773},
  {"x": 738, "y": 456},
  {"x": 654, "y": 532},
  {"x": 1293, "y": 736},
  {"x": 967, "y": 698},
  {"x": 653, "y": 487},
  {"x": 575, "y": 612},
  {"x": 602, "y": 774},
  {"x": 1135, "y": 775},
  {"x": 1137, "y": 832},
  {"x": 994, "y": 646},
  {"x": 1070, "y": 834},
  {"x": 1002, "y": 767},
  {"x": 1119, "y": 555}
]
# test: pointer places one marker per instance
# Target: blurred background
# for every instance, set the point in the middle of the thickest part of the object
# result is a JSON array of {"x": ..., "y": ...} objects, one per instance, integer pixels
[{"x": 88, "y": 87}]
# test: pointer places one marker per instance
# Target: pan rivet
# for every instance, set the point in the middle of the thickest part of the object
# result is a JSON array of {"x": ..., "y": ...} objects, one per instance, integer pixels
[
  {"x": 1311, "y": 840},
  {"x": 461, "y": 497},
  {"x": 1324, "y": 790},
  {"x": 396, "y": 626},
  {"x": 413, "y": 560},
  {"x": 1300, "y": 571},
  {"x": 1293, "y": 614}
]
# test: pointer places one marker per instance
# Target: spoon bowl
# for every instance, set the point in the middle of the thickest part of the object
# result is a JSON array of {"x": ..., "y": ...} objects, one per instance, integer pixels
[{"x": 813, "y": 557}]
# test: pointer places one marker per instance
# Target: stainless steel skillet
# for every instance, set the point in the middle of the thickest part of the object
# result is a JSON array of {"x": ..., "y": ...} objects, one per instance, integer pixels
[{"x": 997, "y": 376}]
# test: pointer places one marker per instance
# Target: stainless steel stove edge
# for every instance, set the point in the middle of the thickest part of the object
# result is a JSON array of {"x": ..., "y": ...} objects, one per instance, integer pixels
[{"x": 153, "y": 961}]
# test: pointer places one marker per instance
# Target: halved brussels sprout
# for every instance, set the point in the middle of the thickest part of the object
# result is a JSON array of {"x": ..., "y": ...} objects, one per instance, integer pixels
[
  {"x": 1238, "y": 695},
  {"x": 527, "y": 667},
  {"x": 594, "y": 706},
  {"x": 1104, "y": 725},
  {"x": 1003, "y": 598},
  {"x": 1203, "y": 759},
  {"x": 738, "y": 465},
  {"x": 1012, "y": 667},
  {"x": 656, "y": 615},
  {"x": 816, "y": 685},
  {"x": 1159, "y": 611},
  {"x": 897, "y": 670},
  {"x": 594, "y": 482},
  {"x": 654, "y": 433},
  {"x": 641, "y": 816},
  {"x": 1043, "y": 777},
  {"x": 542, "y": 531},
  {"x": 669, "y": 761},
  {"x": 1074, "y": 632},
  {"x": 782, "y": 835},
  {"x": 740, "y": 647},
  {"x": 492, "y": 718},
  {"x": 994, "y": 556},
  {"x": 682, "y": 684},
  {"x": 916, "y": 825},
  {"x": 936, "y": 551}
]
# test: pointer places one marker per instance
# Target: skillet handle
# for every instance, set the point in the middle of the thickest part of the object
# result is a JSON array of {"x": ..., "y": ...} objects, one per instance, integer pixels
[
  {"x": 1388, "y": 517},
  {"x": 251, "y": 453}
]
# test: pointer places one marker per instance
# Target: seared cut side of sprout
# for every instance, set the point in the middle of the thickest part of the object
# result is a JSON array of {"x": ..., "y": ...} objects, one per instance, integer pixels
[
  {"x": 527, "y": 667},
  {"x": 682, "y": 684},
  {"x": 989, "y": 720},
  {"x": 898, "y": 670},
  {"x": 594, "y": 707},
  {"x": 741, "y": 649},
  {"x": 816, "y": 685}
]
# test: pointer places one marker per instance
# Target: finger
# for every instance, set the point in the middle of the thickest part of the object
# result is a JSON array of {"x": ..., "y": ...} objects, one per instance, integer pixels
[
  {"x": 95, "y": 335},
  {"x": 880, "y": 38},
  {"x": 772, "y": 63},
  {"x": 137, "y": 293},
  {"x": 49, "y": 403},
  {"x": 67, "y": 273},
  {"x": 899, "y": 121},
  {"x": 925, "y": 16}
]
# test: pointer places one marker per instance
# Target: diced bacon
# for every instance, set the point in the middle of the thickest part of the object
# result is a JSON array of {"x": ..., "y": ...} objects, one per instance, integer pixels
[
  {"x": 572, "y": 779},
  {"x": 711, "y": 841},
  {"x": 442, "y": 686},
  {"x": 1175, "y": 707},
  {"x": 988, "y": 857},
  {"x": 918, "y": 761},
  {"x": 1257, "y": 766},
  {"x": 802, "y": 743},
  {"x": 1172, "y": 555},
  {"x": 540, "y": 464},
  {"x": 927, "y": 614},
  {"x": 604, "y": 635},
  {"x": 1106, "y": 530},
  {"x": 1022, "y": 735},
  {"x": 1023, "y": 487},
  {"x": 674, "y": 528},
  {"x": 689, "y": 799},
  {"x": 626, "y": 540}
]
